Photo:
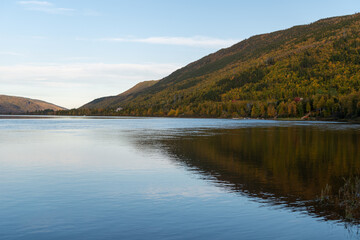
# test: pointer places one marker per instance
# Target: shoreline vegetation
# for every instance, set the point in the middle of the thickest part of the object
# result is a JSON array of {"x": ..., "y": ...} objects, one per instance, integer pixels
[
  {"x": 344, "y": 200},
  {"x": 55, "y": 113},
  {"x": 290, "y": 111}
]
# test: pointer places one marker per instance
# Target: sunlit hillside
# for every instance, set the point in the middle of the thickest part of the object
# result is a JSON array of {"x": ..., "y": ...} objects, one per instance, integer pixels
[{"x": 311, "y": 70}]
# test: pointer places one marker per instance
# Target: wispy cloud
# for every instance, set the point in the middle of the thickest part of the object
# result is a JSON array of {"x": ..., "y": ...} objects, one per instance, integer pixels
[
  {"x": 85, "y": 73},
  {"x": 44, "y": 6},
  {"x": 39, "y": 3},
  {"x": 37, "y": 37},
  {"x": 12, "y": 54},
  {"x": 91, "y": 12},
  {"x": 197, "y": 41},
  {"x": 72, "y": 85}
]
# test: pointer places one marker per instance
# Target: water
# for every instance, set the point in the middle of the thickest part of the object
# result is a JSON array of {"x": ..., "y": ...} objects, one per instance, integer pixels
[{"x": 158, "y": 178}]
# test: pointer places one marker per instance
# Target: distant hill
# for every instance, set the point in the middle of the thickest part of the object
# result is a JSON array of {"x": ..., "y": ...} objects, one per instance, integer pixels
[
  {"x": 20, "y": 105},
  {"x": 311, "y": 70},
  {"x": 104, "y": 102}
]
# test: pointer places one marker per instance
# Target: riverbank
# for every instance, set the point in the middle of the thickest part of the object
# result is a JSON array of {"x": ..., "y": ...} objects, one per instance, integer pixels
[{"x": 31, "y": 115}]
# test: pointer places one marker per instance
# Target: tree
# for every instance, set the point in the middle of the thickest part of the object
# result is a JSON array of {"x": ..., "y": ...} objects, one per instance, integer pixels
[
  {"x": 292, "y": 109},
  {"x": 171, "y": 113},
  {"x": 329, "y": 109},
  {"x": 255, "y": 111},
  {"x": 262, "y": 110},
  {"x": 271, "y": 111},
  {"x": 308, "y": 107},
  {"x": 282, "y": 110},
  {"x": 321, "y": 104}
]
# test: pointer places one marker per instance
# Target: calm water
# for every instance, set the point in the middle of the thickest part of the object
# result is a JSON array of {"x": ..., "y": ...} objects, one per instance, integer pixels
[{"x": 143, "y": 178}]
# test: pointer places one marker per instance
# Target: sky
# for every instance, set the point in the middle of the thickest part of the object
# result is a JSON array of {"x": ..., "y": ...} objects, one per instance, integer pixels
[{"x": 69, "y": 52}]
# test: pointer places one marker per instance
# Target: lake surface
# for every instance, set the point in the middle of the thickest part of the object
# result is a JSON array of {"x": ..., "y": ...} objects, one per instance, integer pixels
[{"x": 159, "y": 178}]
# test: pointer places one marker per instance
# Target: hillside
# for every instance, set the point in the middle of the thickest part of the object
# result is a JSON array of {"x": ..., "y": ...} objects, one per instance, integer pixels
[
  {"x": 104, "y": 102},
  {"x": 312, "y": 68},
  {"x": 20, "y": 105}
]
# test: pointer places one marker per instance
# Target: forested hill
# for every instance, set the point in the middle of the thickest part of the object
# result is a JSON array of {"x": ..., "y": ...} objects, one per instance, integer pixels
[
  {"x": 104, "y": 102},
  {"x": 20, "y": 105},
  {"x": 311, "y": 68}
]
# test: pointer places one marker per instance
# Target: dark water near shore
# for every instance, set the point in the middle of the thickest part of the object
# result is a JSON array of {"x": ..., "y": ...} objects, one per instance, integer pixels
[{"x": 158, "y": 178}]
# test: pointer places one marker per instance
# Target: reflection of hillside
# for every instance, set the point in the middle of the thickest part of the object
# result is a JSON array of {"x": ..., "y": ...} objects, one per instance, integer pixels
[{"x": 284, "y": 165}]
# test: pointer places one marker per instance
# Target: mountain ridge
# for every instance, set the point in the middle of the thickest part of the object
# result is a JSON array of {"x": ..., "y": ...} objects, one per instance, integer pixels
[
  {"x": 262, "y": 76},
  {"x": 100, "y": 102},
  {"x": 22, "y": 105}
]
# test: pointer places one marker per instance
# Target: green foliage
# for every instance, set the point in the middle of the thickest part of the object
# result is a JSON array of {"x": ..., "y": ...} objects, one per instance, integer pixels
[{"x": 305, "y": 69}]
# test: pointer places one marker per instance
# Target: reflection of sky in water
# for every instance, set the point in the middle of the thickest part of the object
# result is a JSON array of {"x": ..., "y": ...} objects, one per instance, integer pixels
[{"x": 76, "y": 178}]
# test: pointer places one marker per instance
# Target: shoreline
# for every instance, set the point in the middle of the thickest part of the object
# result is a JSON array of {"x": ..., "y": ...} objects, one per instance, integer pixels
[{"x": 29, "y": 116}]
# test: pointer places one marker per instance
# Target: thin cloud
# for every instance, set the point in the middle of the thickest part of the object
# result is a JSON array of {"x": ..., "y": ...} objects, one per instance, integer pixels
[
  {"x": 91, "y": 13},
  {"x": 44, "y": 6},
  {"x": 12, "y": 54},
  {"x": 39, "y": 3},
  {"x": 99, "y": 73},
  {"x": 38, "y": 37},
  {"x": 180, "y": 41},
  {"x": 72, "y": 85}
]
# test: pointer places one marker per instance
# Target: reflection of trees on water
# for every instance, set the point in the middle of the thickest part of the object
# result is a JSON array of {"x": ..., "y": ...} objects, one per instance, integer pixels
[{"x": 282, "y": 165}]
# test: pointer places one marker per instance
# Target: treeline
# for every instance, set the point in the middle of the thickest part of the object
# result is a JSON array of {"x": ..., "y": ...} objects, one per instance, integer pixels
[
  {"x": 318, "y": 106},
  {"x": 311, "y": 70}
]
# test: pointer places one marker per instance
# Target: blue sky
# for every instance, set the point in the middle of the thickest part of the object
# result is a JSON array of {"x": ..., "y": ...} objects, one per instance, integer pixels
[{"x": 69, "y": 52}]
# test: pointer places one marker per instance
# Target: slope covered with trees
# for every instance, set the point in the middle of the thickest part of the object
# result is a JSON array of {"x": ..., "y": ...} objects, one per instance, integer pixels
[
  {"x": 104, "y": 102},
  {"x": 20, "y": 105},
  {"x": 309, "y": 70}
]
